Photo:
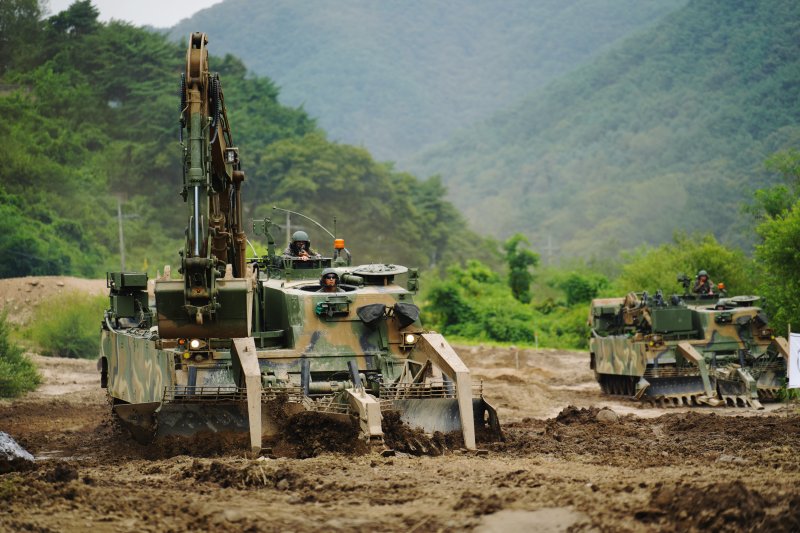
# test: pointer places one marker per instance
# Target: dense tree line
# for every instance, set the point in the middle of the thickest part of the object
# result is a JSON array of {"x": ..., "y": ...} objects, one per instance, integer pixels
[
  {"x": 525, "y": 302},
  {"x": 90, "y": 120}
]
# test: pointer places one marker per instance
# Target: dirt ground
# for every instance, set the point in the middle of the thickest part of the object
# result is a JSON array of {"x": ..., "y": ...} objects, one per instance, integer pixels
[{"x": 567, "y": 463}]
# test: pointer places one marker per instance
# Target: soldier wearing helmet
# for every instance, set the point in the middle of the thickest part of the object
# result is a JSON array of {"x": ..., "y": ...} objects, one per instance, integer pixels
[
  {"x": 703, "y": 285},
  {"x": 300, "y": 247},
  {"x": 329, "y": 281}
]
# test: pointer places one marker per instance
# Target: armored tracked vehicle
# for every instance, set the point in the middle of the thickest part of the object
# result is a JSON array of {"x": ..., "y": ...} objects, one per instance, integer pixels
[
  {"x": 686, "y": 350},
  {"x": 247, "y": 345}
]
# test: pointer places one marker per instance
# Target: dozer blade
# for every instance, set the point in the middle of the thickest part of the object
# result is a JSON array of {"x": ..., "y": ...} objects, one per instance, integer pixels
[
  {"x": 442, "y": 414},
  {"x": 677, "y": 390},
  {"x": 185, "y": 420},
  {"x": 149, "y": 421}
]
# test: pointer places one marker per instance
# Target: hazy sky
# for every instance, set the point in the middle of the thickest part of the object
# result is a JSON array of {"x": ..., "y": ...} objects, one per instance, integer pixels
[{"x": 158, "y": 13}]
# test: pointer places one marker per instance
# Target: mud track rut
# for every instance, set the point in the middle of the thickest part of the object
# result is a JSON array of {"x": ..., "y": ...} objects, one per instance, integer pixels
[{"x": 560, "y": 467}]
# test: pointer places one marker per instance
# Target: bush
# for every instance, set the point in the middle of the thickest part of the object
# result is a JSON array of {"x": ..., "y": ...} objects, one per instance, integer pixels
[
  {"x": 18, "y": 374},
  {"x": 581, "y": 287},
  {"x": 69, "y": 325},
  {"x": 779, "y": 255},
  {"x": 565, "y": 327}
]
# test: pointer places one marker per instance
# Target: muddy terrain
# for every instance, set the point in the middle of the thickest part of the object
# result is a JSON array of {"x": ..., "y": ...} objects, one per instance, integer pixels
[{"x": 571, "y": 460}]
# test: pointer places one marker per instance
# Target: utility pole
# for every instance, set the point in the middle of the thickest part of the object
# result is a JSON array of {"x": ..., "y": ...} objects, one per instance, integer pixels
[
  {"x": 120, "y": 216},
  {"x": 121, "y": 238},
  {"x": 550, "y": 249}
]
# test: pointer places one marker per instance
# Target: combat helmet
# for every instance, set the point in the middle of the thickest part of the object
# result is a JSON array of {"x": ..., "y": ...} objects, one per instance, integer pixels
[
  {"x": 325, "y": 273},
  {"x": 300, "y": 236}
]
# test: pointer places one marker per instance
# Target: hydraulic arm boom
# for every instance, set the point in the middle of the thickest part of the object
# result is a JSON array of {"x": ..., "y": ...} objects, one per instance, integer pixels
[{"x": 211, "y": 185}]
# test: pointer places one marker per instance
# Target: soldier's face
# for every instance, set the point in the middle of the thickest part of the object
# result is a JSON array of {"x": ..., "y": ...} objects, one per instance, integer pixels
[{"x": 330, "y": 281}]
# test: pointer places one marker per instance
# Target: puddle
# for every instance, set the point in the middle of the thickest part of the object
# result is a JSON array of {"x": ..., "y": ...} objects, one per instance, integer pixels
[
  {"x": 548, "y": 520},
  {"x": 46, "y": 455}
]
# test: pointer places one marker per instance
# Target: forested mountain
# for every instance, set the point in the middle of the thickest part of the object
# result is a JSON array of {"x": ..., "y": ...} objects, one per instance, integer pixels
[
  {"x": 666, "y": 131},
  {"x": 90, "y": 116},
  {"x": 396, "y": 76}
]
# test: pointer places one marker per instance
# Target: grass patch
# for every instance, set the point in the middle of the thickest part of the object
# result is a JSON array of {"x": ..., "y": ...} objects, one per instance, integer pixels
[
  {"x": 18, "y": 374},
  {"x": 68, "y": 325}
]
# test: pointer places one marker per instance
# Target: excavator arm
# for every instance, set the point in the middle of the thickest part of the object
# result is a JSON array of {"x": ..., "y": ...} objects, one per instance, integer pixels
[
  {"x": 212, "y": 298},
  {"x": 211, "y": 185}
]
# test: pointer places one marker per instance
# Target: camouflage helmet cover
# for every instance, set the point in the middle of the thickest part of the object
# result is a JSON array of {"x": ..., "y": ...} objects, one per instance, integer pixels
[{"x": 702, "y": 273}]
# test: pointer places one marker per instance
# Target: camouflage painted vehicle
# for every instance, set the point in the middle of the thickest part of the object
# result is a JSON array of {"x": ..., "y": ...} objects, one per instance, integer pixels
[
  {"x": 686, "y": 350},
  {"x": 248, "y": 345}
]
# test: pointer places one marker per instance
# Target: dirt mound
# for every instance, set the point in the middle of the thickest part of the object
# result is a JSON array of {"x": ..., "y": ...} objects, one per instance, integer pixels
[
  {"x": 309, "y": 434},
  {"x": 575, "y": 415},
  {"x": 20, "y": 296},
  {"x": 718, "y": 507},
  {"x": 203, "y": 444},
  {"x": 671, "y": 439},
  {"x": 61, "y": 473},
  {"x": 479, "y": 503},
  {"x": 248, "y": 474}
]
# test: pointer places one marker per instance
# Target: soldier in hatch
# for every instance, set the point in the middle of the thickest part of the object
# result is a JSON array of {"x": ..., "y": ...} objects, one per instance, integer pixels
[
  {"x": 300, "y": 247},
  {"x": 329, "y": 281},
  {"x": 703, "y": 285}
]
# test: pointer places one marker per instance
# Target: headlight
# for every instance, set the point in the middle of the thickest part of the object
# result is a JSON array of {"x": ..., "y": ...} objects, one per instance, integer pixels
[
  {"x": 410, "y": 338},
  {"x": 198, "y": 344}
]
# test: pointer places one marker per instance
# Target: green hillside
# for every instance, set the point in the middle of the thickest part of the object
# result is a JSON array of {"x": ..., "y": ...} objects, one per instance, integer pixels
[
  {"x": 396, "y": 76},
  {"x": 667, "y": 131},
  {"x": 90, "y": 118}
]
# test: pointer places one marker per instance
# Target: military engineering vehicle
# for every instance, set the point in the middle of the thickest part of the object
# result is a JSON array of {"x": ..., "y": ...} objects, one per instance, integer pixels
[
  {"x": 244, "y": 345},
  {"x": 686, "y": 349}
]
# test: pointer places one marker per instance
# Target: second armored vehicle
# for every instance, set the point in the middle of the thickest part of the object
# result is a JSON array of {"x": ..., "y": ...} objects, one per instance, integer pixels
[{"x": 686, "y": 350}]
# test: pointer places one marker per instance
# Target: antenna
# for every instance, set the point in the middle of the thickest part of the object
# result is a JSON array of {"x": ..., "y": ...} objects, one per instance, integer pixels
[{"x": 323, "y": 228}]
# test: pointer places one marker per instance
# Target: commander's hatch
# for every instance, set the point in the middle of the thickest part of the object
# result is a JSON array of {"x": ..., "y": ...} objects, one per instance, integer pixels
[{"x": 379, "y": 274}]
